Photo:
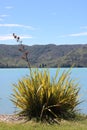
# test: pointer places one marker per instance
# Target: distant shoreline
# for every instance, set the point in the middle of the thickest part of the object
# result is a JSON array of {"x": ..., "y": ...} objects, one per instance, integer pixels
[
  {"x": 44, "y": 56},
  {"x": 41, "y": 67}
]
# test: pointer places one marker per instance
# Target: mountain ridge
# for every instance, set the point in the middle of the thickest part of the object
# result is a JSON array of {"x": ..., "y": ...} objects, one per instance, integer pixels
[{"x": 50, "y": 55}]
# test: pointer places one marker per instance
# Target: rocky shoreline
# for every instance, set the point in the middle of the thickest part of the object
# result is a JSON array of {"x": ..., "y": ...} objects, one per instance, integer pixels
[{"x": 12, "y": 118}]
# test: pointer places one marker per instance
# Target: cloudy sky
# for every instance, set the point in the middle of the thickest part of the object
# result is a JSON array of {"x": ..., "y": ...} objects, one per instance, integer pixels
[{"x": 43, "y": 21}]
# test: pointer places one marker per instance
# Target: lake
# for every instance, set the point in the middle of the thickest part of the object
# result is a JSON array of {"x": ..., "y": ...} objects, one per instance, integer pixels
[{"x": 11, "y": 76}]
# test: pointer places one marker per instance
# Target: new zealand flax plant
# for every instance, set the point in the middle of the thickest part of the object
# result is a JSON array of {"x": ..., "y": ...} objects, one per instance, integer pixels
[{"x": 41, "y": 96}]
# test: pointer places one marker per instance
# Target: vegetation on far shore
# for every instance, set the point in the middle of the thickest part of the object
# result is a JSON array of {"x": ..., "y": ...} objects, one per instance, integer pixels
[{"x": 50, "y": 56}]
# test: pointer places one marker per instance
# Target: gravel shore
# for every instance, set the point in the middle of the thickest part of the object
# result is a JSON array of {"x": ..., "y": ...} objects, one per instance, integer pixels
[{"x": 11, "y": 118}]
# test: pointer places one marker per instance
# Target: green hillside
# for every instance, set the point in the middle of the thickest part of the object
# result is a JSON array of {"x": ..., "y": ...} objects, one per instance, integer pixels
[{"x": 49, "y": 55}]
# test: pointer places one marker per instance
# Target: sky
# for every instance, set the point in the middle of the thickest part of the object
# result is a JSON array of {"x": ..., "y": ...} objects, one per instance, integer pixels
[{"x": 43, "y": 21}]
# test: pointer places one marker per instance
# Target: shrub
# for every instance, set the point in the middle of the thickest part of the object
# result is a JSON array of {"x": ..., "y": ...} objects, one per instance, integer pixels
[{"x": 41, "y": 96}]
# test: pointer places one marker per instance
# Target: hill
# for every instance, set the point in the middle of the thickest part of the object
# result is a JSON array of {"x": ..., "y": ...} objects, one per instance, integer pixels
[{"x": 44, "y": 55}]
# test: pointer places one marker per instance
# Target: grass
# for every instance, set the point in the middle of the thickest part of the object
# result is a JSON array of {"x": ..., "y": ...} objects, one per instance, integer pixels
[{"x": 31, "y": 125}]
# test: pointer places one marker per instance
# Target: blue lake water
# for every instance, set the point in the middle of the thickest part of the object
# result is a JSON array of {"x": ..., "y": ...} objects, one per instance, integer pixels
[{"x": 10, "y": 76}]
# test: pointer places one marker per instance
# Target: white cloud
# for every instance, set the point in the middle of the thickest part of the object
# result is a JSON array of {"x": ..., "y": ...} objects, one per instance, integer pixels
[
  {"x": 10, "y": 37},
  {"x": 4, "y": 15},
  {"x": 78, "y": 34},
  {"x": 75, "y": 34},
  {"x": 9, "y": 7},
  {"x": 3, "y": 38},
  {"x": 25, "y": 36},
  {"x": 83, "y": 27},
  {"x": 17, "y": 25},
  {"x": 1, "y": 19}
]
